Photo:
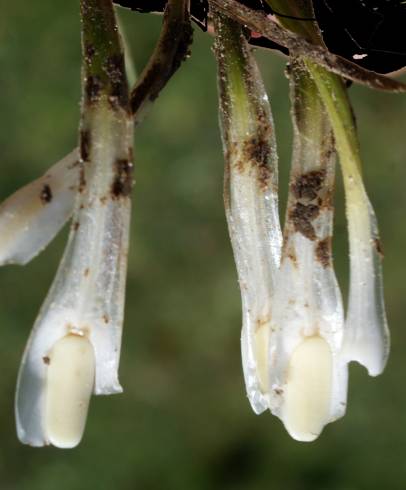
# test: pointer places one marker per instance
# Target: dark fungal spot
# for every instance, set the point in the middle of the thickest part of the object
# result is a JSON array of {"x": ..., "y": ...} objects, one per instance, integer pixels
[
  {"x": 256, "y": 150},
  {"x": 301, "y": 217},
  {"x": 46, "y": 194},
  {"x": 307, "y": 186},
  {"x": 82, "y": 178},
  {"x": 46, "y": 360},
  {"x": 90, "y": 51},
  {"x": 115, "y": 69},
  {"x": 86, "y": 272},
  {"x": 85, "y": 142},
  {"x": 378, "y": 247},
  {"x": 123, "y": 180},
  {"x": 93, "y": 87},
  {"x": 75, "y": 225},
  {"x": 291, "y": 254},
  {"x": 105, "y": 318},
  {"x": 323, "y": 251}
]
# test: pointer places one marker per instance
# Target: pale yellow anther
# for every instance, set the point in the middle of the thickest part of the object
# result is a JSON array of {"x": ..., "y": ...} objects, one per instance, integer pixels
[
  {"x": 70, "y": 380},
  {"x": 308, "y": 390}
]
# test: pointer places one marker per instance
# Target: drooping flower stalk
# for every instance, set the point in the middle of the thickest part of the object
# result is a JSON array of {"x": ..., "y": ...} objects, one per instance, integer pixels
[
  {"x": 74, "y": 348},
  {"x": 250, "y": 195},
  {"x": 308, "y": 379}
]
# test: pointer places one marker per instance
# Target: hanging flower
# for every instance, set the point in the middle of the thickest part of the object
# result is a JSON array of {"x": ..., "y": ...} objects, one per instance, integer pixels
[
  {"x": 308, "y": 376},
  {"x": 74, "y": 347},
  {"x": 250, "y": 196},
  {"x": 296, "y": 345}
]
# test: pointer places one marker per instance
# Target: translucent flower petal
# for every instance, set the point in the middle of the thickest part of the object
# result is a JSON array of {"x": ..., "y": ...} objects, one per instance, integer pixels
[
  {"x": 308, "y": 379},
  {"x": 251, "y": 199},
  {"x": 32, "y": 216},
  {"x": 367, "y": 334},
  {"x": 87, "y": 296}
]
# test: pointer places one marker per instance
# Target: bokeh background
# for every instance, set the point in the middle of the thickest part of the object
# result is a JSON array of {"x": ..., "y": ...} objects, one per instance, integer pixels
[{"x": 183, "y": 421}]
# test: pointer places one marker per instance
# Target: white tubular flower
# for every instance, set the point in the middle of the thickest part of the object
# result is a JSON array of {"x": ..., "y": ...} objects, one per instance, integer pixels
[
  {"x": 366, "y": 334},
  {"x": 251, "y": 199},
  {"x": 74, "y": 347},
  {"x": 31, "y": 217},
  {"x": 87, "y": 297},
  {"x": 308, "y": 379}
]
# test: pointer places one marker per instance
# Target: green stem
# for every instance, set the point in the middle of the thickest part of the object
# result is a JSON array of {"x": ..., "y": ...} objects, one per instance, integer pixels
[
  {"x": 299, "y": 9},
  {"x": 331, "y": 89},
  {"x": 103, "y": 57},
  {"x": 171, "y": 50}
]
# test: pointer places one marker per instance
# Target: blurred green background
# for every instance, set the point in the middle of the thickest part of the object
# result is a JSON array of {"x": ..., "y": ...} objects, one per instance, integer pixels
[{"x": 183, "y": 421}]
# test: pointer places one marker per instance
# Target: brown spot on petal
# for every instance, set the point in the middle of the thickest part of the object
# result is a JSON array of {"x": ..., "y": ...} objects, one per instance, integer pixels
[
  {"x": 261, "y": 321},
  {"x": 378, "y": 247},
  {"x": 307, "y": 186},
  {"x": 85, "y": 142},
  {"x": 256, "y": 151},
  {"x": 46, "y": 360},
  {"x": 46, "y": 194},
  {"x": 323, "y": 252},
  {"x": 302, "y": 216},
  {"x": 123, "y": 179}
]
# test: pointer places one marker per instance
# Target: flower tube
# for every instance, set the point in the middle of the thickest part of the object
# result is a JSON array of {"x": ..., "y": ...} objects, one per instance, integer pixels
[
  {"x": 250, "y": 196},
  {"x": 367, "y": 334},
  {"x": 366, "y": 337},
  {"x": 74, "y": 347},
  {"x": 308, "y": 378}
]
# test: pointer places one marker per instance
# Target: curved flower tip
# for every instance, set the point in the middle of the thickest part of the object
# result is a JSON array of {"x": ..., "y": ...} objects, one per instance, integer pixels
[
  {"x": 367, "y": 339},
  {"x": 32, "y": 216},
  {"x": 68, "y": 390},
  {"x": 67, "y": 383},
  {"x": 308, "y": 391}
]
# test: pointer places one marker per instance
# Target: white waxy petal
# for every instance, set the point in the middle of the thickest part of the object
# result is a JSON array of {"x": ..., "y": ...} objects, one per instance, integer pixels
[
  {"x": 250, "y": 195},
  {"x": 88, "y": 292},
  {"x": 308, "y": 389},
  {"x": 307, "y": 301},
  {"x": 367, "y": 335},
  {"x": 32, "y": 216},
  {"x": 69, "y": 385},
  {"x": 366, "y": 331}
]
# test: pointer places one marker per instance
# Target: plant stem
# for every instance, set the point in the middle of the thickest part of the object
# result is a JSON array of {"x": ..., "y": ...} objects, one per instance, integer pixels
[
  {"x": 300, "y": 46},
  {"x": 103, "y": 67},
  {"x": 170, "y": 51}
]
